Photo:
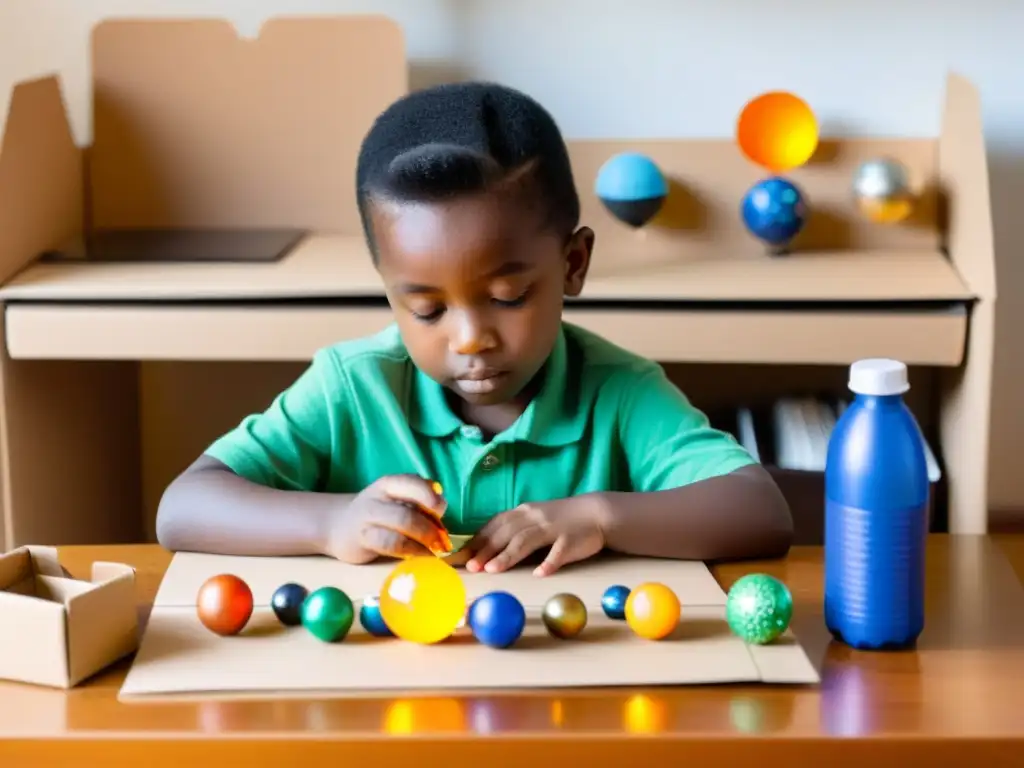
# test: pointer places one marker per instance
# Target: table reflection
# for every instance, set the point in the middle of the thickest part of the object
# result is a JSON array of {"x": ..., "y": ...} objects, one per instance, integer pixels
[
  {"x": 856, "y": 687},
  {"x": 410, "y": 717}
]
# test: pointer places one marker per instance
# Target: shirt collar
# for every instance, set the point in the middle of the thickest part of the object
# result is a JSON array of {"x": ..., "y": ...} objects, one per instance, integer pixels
[{"x": 556, "y": 415}]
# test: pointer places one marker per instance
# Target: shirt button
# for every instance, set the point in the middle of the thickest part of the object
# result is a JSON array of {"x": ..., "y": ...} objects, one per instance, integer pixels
[
  {"x": 471, "y": 432},
  {"x": 490, "y": 461}
]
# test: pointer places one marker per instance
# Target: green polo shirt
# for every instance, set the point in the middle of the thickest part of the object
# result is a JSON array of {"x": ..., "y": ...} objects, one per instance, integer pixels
[{"x": 605, "y": 419}]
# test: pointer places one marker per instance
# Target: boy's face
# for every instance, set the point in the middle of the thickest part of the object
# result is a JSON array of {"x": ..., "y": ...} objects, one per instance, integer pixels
[{"x": 477, "y": 288}]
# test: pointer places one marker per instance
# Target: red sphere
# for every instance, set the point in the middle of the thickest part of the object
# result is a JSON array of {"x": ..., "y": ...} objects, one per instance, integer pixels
[{"x": 224, "y": 604}]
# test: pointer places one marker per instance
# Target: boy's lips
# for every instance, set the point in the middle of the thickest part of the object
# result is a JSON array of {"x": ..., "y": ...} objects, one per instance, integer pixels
[{"x": 479, "y": 382}]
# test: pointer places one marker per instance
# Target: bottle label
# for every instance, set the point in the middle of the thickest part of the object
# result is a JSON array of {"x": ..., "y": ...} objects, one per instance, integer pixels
[{"x": 874, "y": 574}]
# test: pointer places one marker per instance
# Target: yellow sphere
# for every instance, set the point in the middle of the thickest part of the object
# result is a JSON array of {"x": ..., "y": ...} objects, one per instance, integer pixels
[
  {"x": 653, "y": 611},
  {"x": 423, "y": 600}
]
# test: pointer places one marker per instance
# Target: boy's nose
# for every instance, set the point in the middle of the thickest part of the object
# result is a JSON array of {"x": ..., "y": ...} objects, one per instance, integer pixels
[{"x": 471, "y": 335}]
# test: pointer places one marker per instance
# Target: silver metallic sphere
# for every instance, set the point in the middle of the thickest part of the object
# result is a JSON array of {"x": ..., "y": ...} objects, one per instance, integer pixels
[{"x": 881, "y": 189}]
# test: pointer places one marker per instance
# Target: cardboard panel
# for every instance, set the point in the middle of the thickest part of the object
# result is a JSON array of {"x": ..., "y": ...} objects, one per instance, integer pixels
[
  {"x": 178, "y": 657},
  {"x": 41, "y": 176},
  {"x": 96, "y": 644},
  {"x": 34, "y": 646},
  {"x": 963, "y": 179},
  {"x": 195, "y": 126},
  {"x": 967, "y": 391}
]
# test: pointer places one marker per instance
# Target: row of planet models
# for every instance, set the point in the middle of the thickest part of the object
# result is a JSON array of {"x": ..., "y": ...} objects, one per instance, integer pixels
[{"x": 777, "y": 131}]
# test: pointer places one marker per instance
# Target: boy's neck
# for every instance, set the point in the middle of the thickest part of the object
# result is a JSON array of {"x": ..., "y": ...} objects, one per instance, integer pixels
[
  {"x": 492, "y": 419},
  {"x": 495, "y": 419}
]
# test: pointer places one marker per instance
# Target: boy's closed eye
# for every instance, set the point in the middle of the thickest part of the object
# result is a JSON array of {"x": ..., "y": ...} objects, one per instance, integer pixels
[
  {"x": 427, "y": 313},
  {"x": 516, "y": 300}
]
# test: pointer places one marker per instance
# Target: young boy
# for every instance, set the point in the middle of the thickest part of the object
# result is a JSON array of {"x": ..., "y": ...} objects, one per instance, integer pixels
[{"x": 543, "y": 436}]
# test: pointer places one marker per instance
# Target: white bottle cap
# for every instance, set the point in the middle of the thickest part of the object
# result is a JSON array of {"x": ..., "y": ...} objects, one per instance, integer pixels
[{"x": 878, "y": 376}]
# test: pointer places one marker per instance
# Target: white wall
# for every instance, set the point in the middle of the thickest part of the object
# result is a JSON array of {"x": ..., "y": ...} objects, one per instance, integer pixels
[{"x": 872, "y": 67}]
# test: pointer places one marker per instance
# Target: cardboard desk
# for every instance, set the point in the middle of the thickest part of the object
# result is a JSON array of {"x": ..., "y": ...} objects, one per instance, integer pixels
[{"x": 113, "y": 376}]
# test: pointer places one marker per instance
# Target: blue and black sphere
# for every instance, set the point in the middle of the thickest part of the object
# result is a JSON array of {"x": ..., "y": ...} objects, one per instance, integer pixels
[
  {"x": 774, "y": 211},
  {"x": 370, "y": 618},
  {"x": 632, "y": 188},
  {"x": 497, "y": 619}
]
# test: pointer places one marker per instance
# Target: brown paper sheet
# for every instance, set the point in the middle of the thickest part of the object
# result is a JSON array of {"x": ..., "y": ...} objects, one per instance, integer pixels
[{"x": 179, "y": 658}]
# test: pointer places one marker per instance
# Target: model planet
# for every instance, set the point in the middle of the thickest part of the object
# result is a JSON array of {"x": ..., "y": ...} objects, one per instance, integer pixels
[
  {"x": 613, "y": 602},
  {"x": 632, "y": 188},
  {"x": 423, "y": 600},
  {"x": 564, "y": 615},
  {"x": 286, "y": 602},
  {"x": 224, "y": 604},
  {"x": 881, "y": 189},
  {"x": 774, "y": 210},
  {"x": 370, "y": 618},
  {"x": 758, "y": 608},
  {"x": 328, "y": 614},
  {"x": 653, "y": 611},
  {"x": 497, "y": 619}
]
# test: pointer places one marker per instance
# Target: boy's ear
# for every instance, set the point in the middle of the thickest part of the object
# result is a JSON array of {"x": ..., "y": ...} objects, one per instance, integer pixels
[{"x": 577, "y": 260}]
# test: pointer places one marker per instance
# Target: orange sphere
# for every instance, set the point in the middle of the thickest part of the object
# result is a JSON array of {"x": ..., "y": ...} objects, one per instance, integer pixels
[
  {"x": 777, "y": 131},
  {"x": 224, "y": 604},
  {"x": 653, "y": 611}
]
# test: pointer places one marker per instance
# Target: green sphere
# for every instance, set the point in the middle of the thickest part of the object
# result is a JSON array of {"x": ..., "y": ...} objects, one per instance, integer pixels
[
  {"x": 758, "y": 608},
  {"x": 328, "y": 614}
]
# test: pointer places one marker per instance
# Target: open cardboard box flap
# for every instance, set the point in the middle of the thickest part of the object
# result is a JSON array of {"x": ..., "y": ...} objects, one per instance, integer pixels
[{"x": 59, "y": 629}]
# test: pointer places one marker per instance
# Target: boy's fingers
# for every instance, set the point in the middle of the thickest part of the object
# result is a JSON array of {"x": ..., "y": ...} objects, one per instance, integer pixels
[
  {"x": 413, "y": 489},
  {"x": 486, "y": 545},
  {"x": 391, "y": 543},
  {"x": 557, "y": 557},
  {"x": 523, "y": 543},
  {"x": 411, "y": 523}
]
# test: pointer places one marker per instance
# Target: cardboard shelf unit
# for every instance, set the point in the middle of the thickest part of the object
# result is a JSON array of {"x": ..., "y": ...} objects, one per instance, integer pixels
[
  {"x": 116, "y": 375},
  {"x": 145, "y": 311}
]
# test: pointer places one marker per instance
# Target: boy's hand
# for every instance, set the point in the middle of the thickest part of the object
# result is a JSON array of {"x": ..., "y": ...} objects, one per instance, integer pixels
[
  {"x": 397, "y": 516},
  {"x": 573, "y": 528}
]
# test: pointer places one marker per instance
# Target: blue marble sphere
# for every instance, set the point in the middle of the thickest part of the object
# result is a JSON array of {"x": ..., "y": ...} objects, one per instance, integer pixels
[
  {"x": 631, "y": 187},
  {"x": 614, "y": 602},
  {"x": 497, "y": 619},
  {"x": 774, "y": 211},
  {"x": 370, "y": 618}
]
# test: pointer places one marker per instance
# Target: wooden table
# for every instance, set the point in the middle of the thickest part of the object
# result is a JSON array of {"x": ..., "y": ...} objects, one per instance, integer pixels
[{"x": 959, "y": 698}]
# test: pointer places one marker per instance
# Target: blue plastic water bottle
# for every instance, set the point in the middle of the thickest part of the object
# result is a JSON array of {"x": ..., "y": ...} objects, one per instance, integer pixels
[{"x": 876, "y": 514}]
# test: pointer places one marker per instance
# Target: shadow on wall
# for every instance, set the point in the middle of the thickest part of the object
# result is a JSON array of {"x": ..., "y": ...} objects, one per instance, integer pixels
[{"x": 1006, "y": 484}]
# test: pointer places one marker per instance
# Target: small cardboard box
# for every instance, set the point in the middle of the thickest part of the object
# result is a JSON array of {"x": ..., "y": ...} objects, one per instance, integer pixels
[{"x": 57, "y": 630}]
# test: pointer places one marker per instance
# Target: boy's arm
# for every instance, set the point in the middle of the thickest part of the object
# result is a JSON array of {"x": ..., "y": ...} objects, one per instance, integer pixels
[
  {"x": 699, "y": 494},
  {"x": 209, "y": 508},
  {"x": 739, "y": 515},
  {"x": 253, "y": 491}
]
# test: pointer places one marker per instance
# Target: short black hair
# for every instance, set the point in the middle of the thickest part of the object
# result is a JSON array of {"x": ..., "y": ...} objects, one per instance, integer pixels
[{"x": 463, "y": 138}]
